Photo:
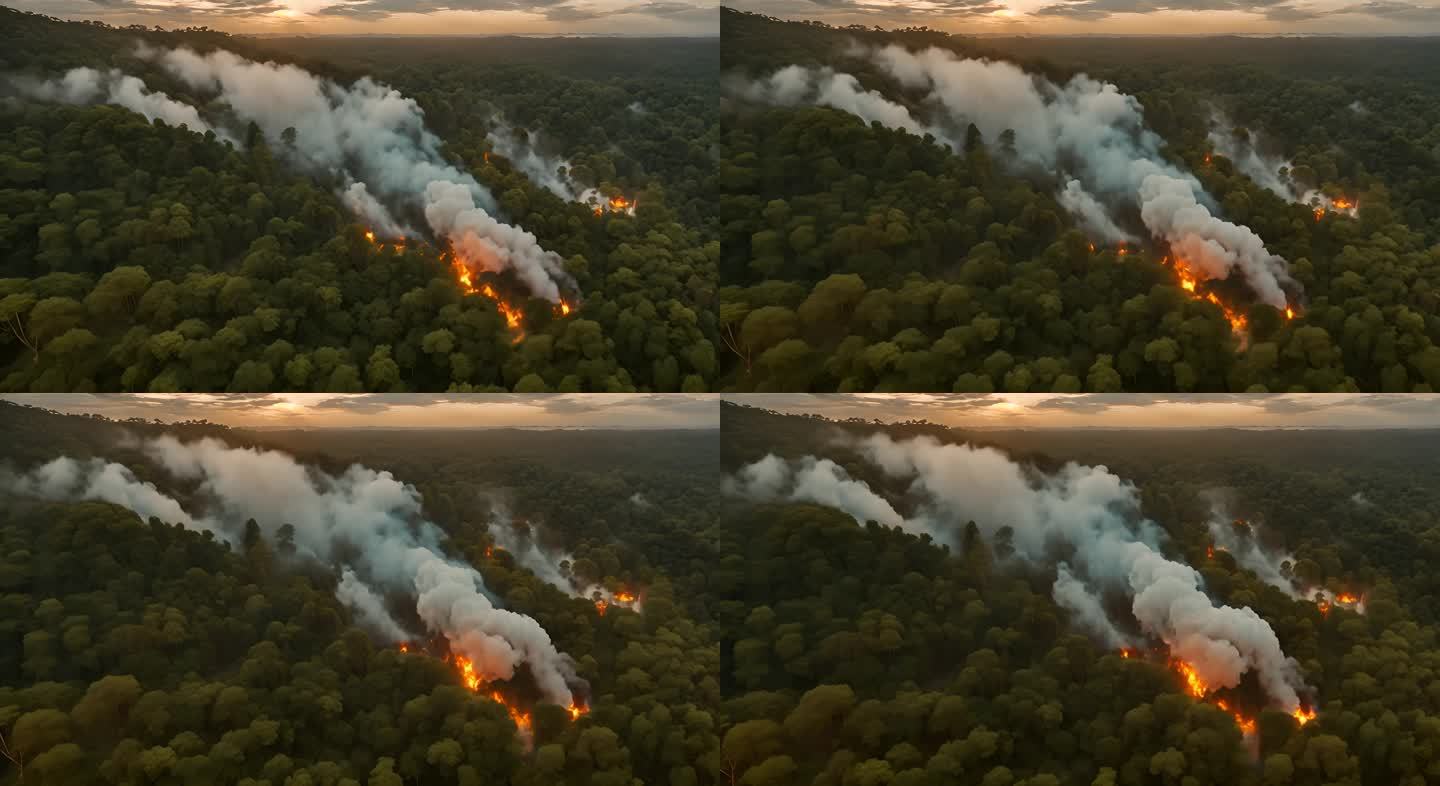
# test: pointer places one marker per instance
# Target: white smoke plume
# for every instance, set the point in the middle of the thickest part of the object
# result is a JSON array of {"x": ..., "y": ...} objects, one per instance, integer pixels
[
  {"x": 1072, "y": 594},
  {"x": 67, "y": 479},
  {"x": 1269, "y": 171},
  {"x": 357, "y": 197},
  {"x": 795, "y": 85},
  {"x": 368, "y": 606},
  {"x": 370, "y": 135},
  {"x": 487, "y": 244},
  {"x": 89, "y": 86},
  {"x": 367, "y": 520},
  {"x": 816, "y": 480},
  {"x": 549, "y": 565},
  {"x": 1084, "y": 130},
  {"x": 1091, "y": 214},
  {"x": 1086, "y": 519},
  {"x": 1271, "y": 567},
  {"x": 524, "y": 155},
  {"x": 638, "y": 500}
]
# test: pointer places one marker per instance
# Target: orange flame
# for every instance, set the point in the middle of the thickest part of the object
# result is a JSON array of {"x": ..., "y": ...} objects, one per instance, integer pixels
[
  {"x": 1190, "y": 283},
  {"x": 1303, "y": 715},
  {"x": 564, "y": 308},
  {"x": 1092, "y": 248},
  {"x": 1210, "y": 552},
  {"x": 1207, "y": 159},
  {"x": 1127, "y": 653},
  {"x": 370, "y": 236},
  {"x": 625, "y": 597},
  {"x": 1193, "y": 684},
  {"x": 1319, "y": 213},
  {"x": 1324, "y": 606},
  {"x": 1121, "y": 251},
  {"x": 1341, "y": 203},
  {"x": 404, "y": 646},
  {"x": 1346, "y": 599},
  {"x": 1289, "y": 312},
  {"x": 600, "y": 606}
]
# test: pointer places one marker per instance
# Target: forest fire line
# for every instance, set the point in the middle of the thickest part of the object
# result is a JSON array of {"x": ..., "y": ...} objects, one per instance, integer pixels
[
  {"x": 470, "y": 678},
  {"x": 1190, "y": 283},
  {"x": 1196, "y": 688},
  {"x": 623, "y": 598},
  {"x": 465, "y": 277}
]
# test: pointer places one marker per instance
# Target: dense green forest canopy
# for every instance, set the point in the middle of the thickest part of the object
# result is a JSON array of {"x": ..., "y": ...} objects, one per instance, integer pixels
[
  {"x": 857, "y": 257},
  {"x": 862, "y": 654},
  {"x": 141, "y": 652},
  {"x": 142, "y": 256}
]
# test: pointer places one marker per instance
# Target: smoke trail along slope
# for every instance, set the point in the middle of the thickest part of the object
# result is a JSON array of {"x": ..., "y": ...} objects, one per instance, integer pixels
[
  {"x": 361, "y": 510},
  {"x": 368, "y": 134},
  {"x": 1092, "y": 512},
  {"x": 1084, "y": 124}
]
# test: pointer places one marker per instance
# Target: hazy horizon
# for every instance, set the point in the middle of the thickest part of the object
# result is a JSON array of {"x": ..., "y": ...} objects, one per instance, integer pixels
[
  {"x": 1120, "y": 411},
  {"x": 478, "y": 18},
  {"x": 1127, "y": 18},
  {"x": 547, "y": 411}
]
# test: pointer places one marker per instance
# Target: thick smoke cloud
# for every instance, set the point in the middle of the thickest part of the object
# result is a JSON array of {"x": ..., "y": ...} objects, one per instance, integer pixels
[
  {"x": 88, "y": 86},
  {"x": 1085, "y": 520},
  {"x": 367, "y": 135},
  {"x": 821, "y": 481},
  {"x": 1085, "y": 131},
  {"x": 373, "y": 135},
  {"x": 67, "y": 479},
  {"x": 367, "y": 523}
]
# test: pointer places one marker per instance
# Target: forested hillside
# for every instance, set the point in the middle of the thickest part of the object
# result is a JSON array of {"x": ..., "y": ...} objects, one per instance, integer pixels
[
  {"x": 144, "y": 256},
  {"x": 858, "y": 256},
  {"x": 864, "y": 653},
  {"x": 139, "y": 652}
]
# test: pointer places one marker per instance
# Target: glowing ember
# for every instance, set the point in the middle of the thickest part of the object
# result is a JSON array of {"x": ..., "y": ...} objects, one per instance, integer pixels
[
  {"x": 1127, "y": 653},
  {"x": 1319, "y": 213},
  {"x": 1092, "y": 248},
  {"x": 370, "y": 236},
  {"x": 1324, "y": 606},
  {"x": 404, "y": 647},
  {"x": 600, "y": 606},
  {"x": 1210, "y": 552},
  {"x": 1289, "y": 312},
  {"x": 1121, "y": 251},
  {"x": 1207, "y": 159}
]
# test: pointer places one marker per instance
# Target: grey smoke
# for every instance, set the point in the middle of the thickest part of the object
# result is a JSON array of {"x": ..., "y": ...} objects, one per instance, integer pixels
[
  {"x": 1091, "y": 214},
  {"x": 1085, "y": 130},
  {"x": 89, "y": 86},
  {"x": 1090, "y": 513},
  {"x": 548, "y": 172},
  {"x": 368, "y": 606},
  {"x": 68, "y": 479},
  {"x": 357, "y": 197},
  {"x": 370, "y": 134},
  {"x": 368, "y": 517},
  {"x": 811, "y": 479}
]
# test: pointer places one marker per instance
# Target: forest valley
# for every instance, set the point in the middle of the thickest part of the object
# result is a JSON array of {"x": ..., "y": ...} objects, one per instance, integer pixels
[
  {"x": 910, "y": 210},
  {"x": 189, "y": 603},
  {"x": 187, "y": 210},
  {"x": 916, "y": 605}
]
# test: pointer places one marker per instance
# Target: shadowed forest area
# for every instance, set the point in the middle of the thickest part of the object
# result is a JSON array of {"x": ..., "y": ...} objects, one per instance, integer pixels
[
  {"x": 901, "y": 250},
  {"x": 139, "y": 255},
  {"x": 153, "y": 652},
  {"x": 860, "y": 652}
]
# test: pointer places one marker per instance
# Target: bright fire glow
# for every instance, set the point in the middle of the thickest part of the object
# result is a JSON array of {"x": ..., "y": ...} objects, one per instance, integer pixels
[
  {"x": 370, "y": 236},
  {"x": 1197, "y": 689},
  {"x": 1342, "y": 204},
  {"x": 471, "y": 679},
  {"x": 1190, "y": 283},
  {"x": 625, "y": 597},
  {"x": 1303, "y": 715},
  {"x": 601, "y": 605},
  {"x": 1346, "y": 599}
]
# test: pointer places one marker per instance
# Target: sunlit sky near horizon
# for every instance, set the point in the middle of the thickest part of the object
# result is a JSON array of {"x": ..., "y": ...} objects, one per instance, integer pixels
[
  {"x": 330, "y": 410},
  {"x": 1120, "y": 410},
  {"x": 401, "y": 17},
  {"x": 1121, "y": 17}
]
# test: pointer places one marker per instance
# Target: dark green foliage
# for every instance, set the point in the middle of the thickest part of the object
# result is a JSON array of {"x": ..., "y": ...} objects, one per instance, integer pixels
[
  {"x": 857, "y": 654},
  {"x": 858, "y": 258},
  {"x": 137, "y": 256},
  {"x": 142, "y": 653}
]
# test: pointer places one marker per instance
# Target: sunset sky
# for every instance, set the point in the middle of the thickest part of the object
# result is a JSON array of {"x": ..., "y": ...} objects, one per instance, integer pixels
[
  {"x": 401, "y": 17},
  {"x": 1121, "y": 17},
  {"x": 1121, "y": 410},
  {"x": 330, "y": 410}
]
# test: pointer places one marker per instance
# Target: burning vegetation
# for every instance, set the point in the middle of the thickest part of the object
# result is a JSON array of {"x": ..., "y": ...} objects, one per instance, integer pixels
[
  {"x": 1190, "y": 282},
  {"x": 615, "y": 204},
  {"x": 470, "y": 677},
  {"x": 1197, "y": 689},
  {"x": 465, "y": 277}
]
